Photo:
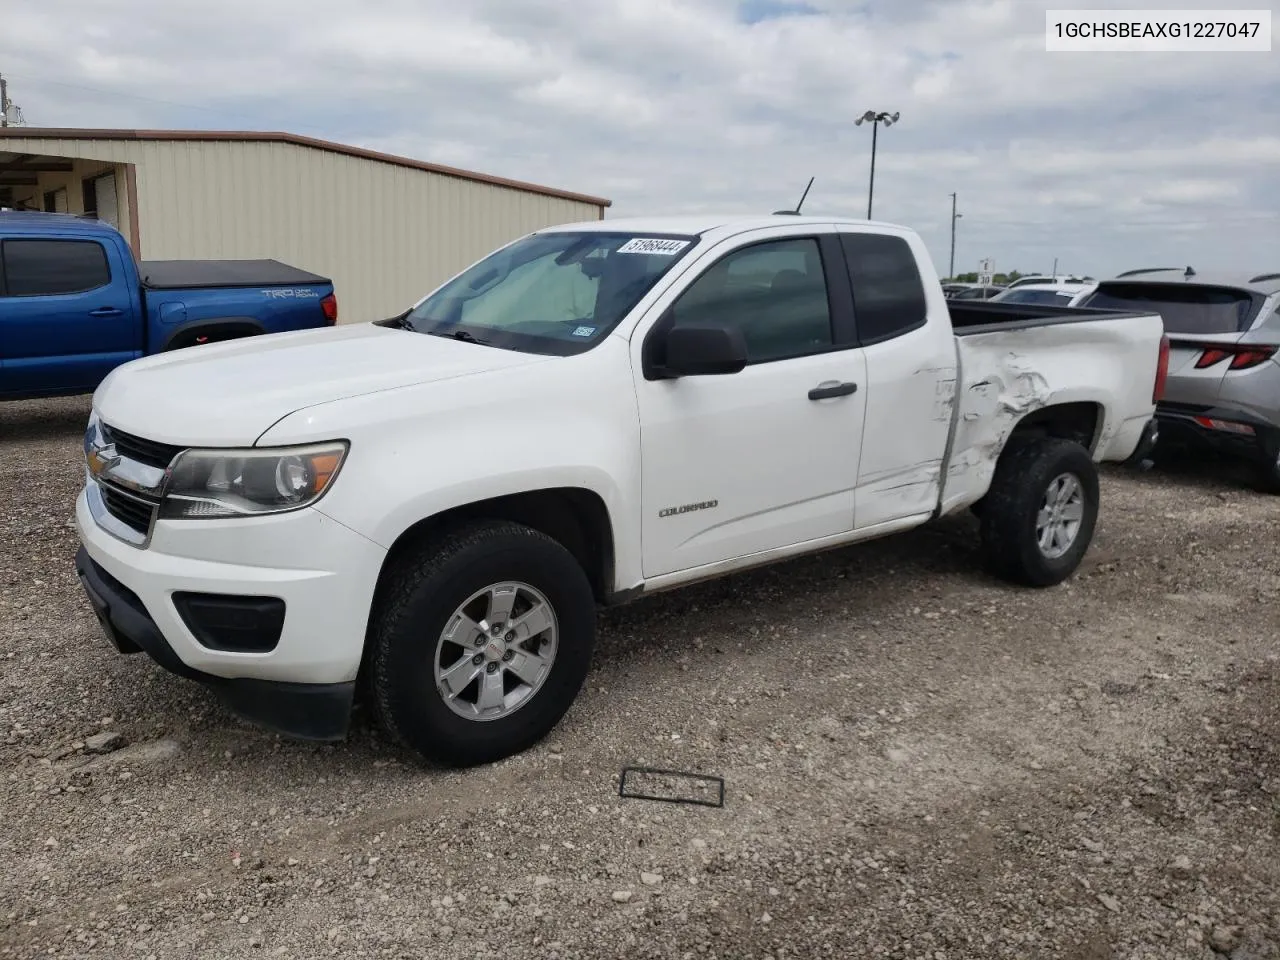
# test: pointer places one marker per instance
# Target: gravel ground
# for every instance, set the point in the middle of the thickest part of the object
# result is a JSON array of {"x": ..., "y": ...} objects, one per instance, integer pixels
[{"x": 919, "y": 762}]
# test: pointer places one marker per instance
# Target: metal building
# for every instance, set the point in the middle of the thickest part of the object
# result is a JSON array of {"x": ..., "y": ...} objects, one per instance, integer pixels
[{"x": 386, "y": 229}]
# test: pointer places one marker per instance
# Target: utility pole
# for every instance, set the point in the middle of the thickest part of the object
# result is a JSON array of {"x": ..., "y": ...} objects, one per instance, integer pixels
[
  {"x": 954, "y": 217},
  {"x": 1055, "y": 268},
  {"x": 10, "y": 112}
]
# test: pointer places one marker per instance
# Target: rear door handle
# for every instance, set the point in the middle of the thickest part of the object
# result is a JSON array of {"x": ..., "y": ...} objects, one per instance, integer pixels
[
  {"x": 832, "y": 388},
  {"x": 105, "y": 312}
]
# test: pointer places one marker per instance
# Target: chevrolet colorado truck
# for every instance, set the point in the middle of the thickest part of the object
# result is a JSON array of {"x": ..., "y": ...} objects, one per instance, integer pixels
[
  {"x": 74, "y": 304},
  {"x": 434, "y": 505}
]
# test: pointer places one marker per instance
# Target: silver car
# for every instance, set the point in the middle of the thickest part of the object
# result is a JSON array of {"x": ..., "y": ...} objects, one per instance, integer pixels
[{"x": 1223, "y": 389}]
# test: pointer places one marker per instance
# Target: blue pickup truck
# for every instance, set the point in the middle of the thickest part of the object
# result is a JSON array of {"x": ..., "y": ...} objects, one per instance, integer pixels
[{"x": 74, "y": 304}]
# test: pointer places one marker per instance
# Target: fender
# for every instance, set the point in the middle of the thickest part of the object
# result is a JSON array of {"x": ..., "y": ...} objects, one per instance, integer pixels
[{"x": 245, "y": 326}]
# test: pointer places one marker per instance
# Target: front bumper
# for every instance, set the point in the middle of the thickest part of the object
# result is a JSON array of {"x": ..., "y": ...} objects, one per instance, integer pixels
[
  {"x": 323, "y": 573},
  {"x": 309, "y": 711}
]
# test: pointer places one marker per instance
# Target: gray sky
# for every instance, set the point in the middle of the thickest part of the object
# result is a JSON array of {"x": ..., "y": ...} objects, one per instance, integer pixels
[{"x": 1106, "y": 161}]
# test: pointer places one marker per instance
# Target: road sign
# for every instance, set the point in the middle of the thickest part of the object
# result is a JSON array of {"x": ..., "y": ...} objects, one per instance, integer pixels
[{"x": 984, "y": 279}]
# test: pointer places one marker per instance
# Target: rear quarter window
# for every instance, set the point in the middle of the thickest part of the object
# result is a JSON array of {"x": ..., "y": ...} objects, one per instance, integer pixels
[{"x": 888, "y": 294}]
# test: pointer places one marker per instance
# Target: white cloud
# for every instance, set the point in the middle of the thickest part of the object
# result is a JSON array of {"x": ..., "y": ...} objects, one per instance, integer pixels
[{"x": 1102, "y": 160}]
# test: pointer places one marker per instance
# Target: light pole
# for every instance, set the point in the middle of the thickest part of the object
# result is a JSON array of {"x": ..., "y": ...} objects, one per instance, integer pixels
[{"x": 875, "y": 119}]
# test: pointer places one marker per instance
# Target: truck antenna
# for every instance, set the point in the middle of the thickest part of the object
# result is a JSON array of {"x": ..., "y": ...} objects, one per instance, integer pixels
[
  {"x": 796, "y": 211},
  {"x": 803, "y": 196}
]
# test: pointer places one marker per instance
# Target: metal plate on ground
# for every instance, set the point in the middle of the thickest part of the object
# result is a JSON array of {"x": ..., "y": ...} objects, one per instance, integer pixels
[{"x": 671, "y": 786}]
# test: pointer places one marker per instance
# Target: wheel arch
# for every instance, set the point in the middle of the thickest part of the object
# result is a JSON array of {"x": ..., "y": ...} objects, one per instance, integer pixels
[
  {"x": 1081, "y": 421},
  {"x": 575, "y": 517},
  {"x": 219, "y": 329}
]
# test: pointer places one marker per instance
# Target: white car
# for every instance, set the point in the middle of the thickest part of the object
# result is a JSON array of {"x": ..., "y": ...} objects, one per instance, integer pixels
[
  {"x": 1046, "y": 294},
  {"x": 1046, "y": 281},
  {"x": 435, "y": 505}
]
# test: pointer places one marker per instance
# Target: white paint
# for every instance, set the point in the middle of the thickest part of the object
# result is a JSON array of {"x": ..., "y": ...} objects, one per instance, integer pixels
[{"x": 435, "y": 424}]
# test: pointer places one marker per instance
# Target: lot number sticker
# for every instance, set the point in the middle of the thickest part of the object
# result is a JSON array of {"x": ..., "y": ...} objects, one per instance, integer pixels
[{"x": 653, "y": 245}]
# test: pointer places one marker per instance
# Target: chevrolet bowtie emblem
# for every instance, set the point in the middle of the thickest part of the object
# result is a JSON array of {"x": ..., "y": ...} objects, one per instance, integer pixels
[{"x": 101, "y": 459}]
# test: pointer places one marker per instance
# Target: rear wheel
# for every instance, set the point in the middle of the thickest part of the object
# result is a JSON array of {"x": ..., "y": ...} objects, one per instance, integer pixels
[
  {"x": 1038, "y": 518},
  {"x": 482, "y": 643},
  {"x": 1269, "y": 475}
]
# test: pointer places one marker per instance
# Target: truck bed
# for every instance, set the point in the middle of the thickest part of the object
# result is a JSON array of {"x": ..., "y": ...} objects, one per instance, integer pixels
[
  {"x": 187, "y": 274},
  {"x": 976, "y": 317}
]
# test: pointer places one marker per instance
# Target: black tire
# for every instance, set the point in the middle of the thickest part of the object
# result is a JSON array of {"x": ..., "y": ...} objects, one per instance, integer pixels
[
  {"x": 1268, "y": 477},
  {"x": 1009, "y": 511},
  {"x": 419, "y": 602}
]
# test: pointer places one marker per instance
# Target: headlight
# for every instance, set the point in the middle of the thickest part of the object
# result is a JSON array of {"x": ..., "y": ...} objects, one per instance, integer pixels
[{"x": 208, "y": 484}]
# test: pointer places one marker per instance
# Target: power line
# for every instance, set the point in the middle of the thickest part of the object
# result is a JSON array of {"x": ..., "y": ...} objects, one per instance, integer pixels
[{"x": 1059, "y": 224}]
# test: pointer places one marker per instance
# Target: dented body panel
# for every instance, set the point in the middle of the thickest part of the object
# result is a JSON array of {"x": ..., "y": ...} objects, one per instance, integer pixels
[{"x": 1007, "y": 375}]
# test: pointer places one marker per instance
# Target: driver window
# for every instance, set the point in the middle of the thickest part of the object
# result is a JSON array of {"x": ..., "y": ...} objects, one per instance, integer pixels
[{"x": 774, "y": 292}]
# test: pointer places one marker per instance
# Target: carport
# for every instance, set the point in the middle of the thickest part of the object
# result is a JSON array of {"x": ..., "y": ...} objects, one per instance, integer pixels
[{"x": 59, "y": 184}]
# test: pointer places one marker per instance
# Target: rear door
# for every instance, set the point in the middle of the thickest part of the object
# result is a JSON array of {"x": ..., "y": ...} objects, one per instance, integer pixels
[
  {"x": 911, "y": 376},
  {"x": 67, "y": 314}
]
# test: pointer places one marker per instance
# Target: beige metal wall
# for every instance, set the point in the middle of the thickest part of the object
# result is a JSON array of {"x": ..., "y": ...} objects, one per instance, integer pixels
[{"x": 386, "y": 234}]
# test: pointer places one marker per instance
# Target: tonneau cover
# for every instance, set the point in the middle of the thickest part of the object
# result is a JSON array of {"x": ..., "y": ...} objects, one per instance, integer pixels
[{"x": 181, "y": 274}]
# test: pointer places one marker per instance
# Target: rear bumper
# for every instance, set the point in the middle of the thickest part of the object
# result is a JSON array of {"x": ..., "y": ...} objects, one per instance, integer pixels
[
  {"x": 1224, "y": 430},
  {"x": 311, "y": 711}
]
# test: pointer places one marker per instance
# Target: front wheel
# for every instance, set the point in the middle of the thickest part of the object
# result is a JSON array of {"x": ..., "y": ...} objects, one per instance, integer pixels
[
  {"x": 1038, "y": 518},
  {"x": 481, "y": 644}
]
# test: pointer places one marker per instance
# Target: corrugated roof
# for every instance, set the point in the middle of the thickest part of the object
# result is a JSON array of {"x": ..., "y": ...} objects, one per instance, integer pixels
[{"x": 254, "y": 136}]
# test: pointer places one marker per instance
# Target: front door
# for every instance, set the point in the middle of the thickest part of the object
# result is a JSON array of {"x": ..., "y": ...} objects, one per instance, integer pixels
[{"x": 739, "y": 464}]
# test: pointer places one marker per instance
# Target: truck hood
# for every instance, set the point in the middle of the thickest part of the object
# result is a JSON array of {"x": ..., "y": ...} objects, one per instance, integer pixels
[{"x": 228, "y": 394}]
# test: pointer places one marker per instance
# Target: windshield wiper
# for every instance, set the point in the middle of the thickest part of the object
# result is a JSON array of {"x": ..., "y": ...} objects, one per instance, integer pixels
[
  {"x": 457, "y": 335},
  {"x": 401, "y": 322}
]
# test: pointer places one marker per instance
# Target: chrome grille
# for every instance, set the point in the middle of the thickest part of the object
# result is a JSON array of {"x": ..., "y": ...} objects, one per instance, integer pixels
[
  {"x": 130, "y": 509},
  {"x": 148, "y": 452}
]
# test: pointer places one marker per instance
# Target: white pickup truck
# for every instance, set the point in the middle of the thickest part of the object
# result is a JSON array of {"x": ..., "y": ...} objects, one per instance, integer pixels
[{"x": 433, "y": 506}]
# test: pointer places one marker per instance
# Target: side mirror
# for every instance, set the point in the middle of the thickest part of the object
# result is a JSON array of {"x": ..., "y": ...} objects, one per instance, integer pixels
[{"x": 704, "y": 350}]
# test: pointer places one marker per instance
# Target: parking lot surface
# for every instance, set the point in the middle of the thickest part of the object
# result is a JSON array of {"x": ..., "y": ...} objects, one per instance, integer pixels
[{"x": 920, "y": 762}]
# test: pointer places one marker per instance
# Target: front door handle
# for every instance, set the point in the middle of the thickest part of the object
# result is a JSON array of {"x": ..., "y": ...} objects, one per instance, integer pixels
[
  {"x": 105, "y": 312},
  {"x": 832, "y": 388}
]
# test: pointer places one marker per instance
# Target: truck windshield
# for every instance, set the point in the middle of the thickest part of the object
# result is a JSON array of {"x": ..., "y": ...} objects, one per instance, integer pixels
[
  {"x": 553, "y": 293},
  {"x": 1184, "y": 308}
]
